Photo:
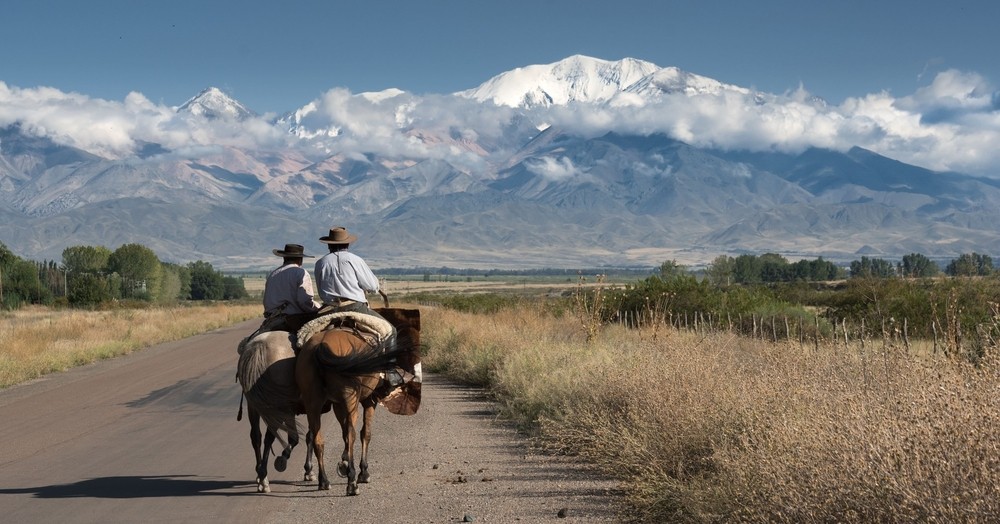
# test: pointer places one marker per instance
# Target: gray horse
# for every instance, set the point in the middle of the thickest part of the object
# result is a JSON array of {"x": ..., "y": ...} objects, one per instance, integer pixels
[{"x": 266, "y": 371}]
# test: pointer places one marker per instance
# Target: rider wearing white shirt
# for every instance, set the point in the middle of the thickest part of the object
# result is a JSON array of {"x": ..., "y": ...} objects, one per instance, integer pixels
[{"x": 289, "y": 289}]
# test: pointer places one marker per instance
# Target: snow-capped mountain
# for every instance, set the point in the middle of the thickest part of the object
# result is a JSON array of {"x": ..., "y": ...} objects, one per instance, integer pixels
[
  {"x": 574, "y": 79},
  {"x": 213, "y": 103},
  {"x": 487, "y": 177}
]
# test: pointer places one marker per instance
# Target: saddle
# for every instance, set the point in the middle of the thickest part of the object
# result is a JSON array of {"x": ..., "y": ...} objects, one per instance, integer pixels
[{"x": 376, "y": 330}]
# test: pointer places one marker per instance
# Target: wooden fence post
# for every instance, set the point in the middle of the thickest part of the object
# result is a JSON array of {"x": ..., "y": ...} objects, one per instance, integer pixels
[
  {"x": 847, "y": 344},
  {"x": 816, "y": 343},
  {"x": 906, "y": 335},
  {"x": 862, "y": 333},
  {"x": 934, "y": 330}
]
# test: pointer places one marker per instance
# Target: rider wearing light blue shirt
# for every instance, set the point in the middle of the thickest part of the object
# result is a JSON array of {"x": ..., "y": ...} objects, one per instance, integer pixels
[{"x": 343, "y": 278}]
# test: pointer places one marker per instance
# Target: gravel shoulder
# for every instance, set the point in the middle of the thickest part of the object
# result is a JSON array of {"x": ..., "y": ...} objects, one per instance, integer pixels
[{"x": 455, "y": 462}]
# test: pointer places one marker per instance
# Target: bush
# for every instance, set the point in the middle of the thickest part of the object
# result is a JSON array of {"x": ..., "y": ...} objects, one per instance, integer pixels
[
  {"x": 89, "y": 290},
  {"x": 233, "y": 288},
  {"x": 206, "y": 282}
]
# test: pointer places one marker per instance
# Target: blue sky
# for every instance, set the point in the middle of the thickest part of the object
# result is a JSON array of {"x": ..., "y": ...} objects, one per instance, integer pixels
[{"x": 277, "y": 56}]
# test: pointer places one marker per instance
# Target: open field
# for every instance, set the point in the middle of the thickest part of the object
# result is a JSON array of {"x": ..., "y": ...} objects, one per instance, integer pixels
[
  {"x": 397, "y": 287},
  {"x": 717, "y": 427},
  {"x": 36, "y": 341}
]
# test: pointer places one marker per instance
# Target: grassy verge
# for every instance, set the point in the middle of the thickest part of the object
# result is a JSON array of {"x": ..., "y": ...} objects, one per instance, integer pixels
[
  {"x": 717, "y": 427},
  {"x": 35, "y": 341}
]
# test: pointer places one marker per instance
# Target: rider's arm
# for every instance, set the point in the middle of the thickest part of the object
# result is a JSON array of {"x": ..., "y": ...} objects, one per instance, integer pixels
[
  {"x": 305, "y": 293},
  {"x": 366, "y": 279}
]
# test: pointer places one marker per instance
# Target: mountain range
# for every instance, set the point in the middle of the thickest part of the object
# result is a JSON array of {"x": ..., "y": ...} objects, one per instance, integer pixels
[{"x": 500, "y": 182}]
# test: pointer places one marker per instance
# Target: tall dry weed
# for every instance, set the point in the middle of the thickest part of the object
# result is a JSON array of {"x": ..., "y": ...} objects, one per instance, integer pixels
[
  {"x": 36, "y": 341},
  {"x": 721, "y": 428}
]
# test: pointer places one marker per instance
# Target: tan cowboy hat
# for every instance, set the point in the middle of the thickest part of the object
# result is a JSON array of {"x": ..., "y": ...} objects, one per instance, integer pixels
[
  {"x": 338, "y": 235},
  {"x": 292, "y": 251}
]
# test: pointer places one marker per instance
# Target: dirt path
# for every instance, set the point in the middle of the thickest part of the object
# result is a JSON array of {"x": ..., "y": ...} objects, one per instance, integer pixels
[
  {"x": 152, "y": 437},
  {"x": 451, "y": 462}
]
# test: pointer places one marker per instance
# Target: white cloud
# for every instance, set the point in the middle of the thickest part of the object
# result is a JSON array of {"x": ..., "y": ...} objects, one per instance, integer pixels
[
  {"x": 113, "y": 129},
  {"x": 553, "y": 169},
  {"x": 951, "y": 124}
]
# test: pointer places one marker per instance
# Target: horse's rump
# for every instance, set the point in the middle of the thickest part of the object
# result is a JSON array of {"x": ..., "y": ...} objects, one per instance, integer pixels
[
  {"x": 266, "y": 372},
  {"x": 346, "y": 352}
]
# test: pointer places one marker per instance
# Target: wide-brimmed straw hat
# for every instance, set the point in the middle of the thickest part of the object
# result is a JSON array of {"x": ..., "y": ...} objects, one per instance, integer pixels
[
  {"x": 292, "y": 251},
  {"x": 338, "y": 235}
]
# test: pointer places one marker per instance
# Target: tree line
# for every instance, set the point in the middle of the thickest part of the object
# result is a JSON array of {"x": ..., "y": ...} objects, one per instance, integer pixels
[
  {"x": 912, "y": 297},
  {"x": 92, "y": 275},
  {"x": 772, "y": 267}
]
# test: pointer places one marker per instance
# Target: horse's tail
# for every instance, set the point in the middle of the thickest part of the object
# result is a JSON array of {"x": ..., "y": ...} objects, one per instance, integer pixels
[
  {"x": 252, "y": 363},
  {"x": 273, "y": 401}
]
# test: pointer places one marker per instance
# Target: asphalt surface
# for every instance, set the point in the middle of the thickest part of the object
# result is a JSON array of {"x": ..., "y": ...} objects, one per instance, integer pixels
[{"x": 153, "y": 437}]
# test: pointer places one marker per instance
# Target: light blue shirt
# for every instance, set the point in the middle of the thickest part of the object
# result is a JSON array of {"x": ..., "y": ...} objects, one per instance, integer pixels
[{"x": 342, "y": 274}]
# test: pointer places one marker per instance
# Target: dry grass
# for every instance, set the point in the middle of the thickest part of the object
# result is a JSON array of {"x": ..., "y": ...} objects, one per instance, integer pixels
[
  {"x": 723, "y": 428},
  {"x": 36, "y": 341}
]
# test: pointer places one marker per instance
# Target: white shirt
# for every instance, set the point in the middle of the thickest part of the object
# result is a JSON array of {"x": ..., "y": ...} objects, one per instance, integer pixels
[
  {"x": 343, "y": 274},
  {"x": 290, "y": 283}
]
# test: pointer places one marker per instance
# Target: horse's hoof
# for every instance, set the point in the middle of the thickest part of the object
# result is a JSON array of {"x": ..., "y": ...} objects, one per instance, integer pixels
[
  {"x": 352, "y": 489},
  {"x": 324, "y": 486},
  {"x": 280, "y": 463},
  {"x": 342, "y": 469},
  {"x": 309, "y": 477},
  {"x": 363, "y": 477},
  {"x": 263, "y": 487}
]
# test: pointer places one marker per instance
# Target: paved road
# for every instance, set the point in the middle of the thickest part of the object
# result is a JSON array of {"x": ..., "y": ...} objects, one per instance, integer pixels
[{"x": 153, "y": 437}]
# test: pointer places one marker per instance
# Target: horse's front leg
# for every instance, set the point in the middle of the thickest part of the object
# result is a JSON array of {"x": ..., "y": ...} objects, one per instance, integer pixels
[
  {"x": 281, "y": 461},
  {"x": 366, "y": 437}
]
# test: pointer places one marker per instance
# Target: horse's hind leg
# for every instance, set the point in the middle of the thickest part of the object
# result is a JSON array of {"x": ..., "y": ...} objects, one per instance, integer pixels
[
  {"x": 309, "y": 474},
  {"x": 316, "y": 432},
  {"x": 366, "y": 437},
  {"x": 263, "y": 486},
  {"x": 260, "y": 464},
  {"x": 348, "y": 419}
]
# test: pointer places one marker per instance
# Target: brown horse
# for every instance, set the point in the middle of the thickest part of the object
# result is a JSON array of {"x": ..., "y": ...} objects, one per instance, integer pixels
[
  {"x": 345, "y": 365},
  {"x": 266, "y": 371}
]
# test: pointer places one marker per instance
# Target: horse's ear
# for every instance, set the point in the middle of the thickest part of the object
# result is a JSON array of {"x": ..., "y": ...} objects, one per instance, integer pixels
[
  {"x": 401, "y": 318},
  {"x": 413, "y": 318}
]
